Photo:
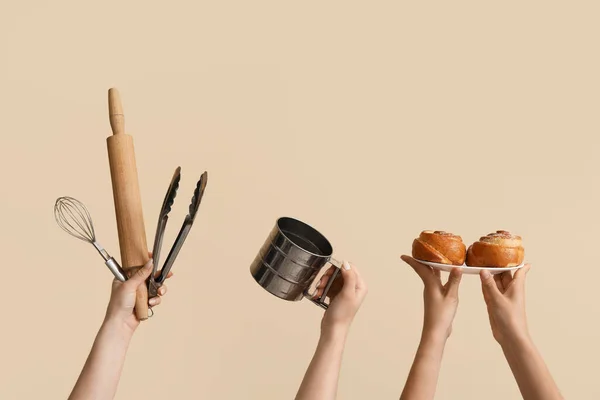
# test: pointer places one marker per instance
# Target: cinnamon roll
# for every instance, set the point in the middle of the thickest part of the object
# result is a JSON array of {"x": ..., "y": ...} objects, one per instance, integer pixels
[
  {"x": 501, "y": 249},
  {"x": 439, "y": 247}
]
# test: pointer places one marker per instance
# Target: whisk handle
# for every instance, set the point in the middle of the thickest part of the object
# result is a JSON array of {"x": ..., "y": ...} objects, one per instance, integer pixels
[
  {"x": 111, "y": 263},
  {"x": 116, "y": 269}
]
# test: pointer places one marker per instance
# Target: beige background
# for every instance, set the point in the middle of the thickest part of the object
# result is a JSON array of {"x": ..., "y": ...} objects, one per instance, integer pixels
[{"x": 369, "y": 120}]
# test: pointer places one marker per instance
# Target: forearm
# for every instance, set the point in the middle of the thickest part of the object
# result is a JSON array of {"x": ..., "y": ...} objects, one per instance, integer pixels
[
  {"x": 321, "y": 379},
  {"x": 423, "y": 376},
  {"x": 100, "y": 375},
  {"x": 531, "y": 373}
]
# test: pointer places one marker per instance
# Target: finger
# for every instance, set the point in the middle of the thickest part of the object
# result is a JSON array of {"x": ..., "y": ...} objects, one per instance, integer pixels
[
  {"x": 424, "y": 271},
  {"x": 154, "y": 301},
  {"x": 520, "y": 275},
  {"x": 334, "y": 289},
  {"x": 323, "y": 281},
  {"x": 140, "y": 275},
  {"x": 361, "y": 290},
  {"x": 349, "y": 278},
  {"x": 361, "y": 286},
  {"x": 157, "y": 274},
  {"x": 330, "y": 271},
  {"x": 360, "y": 282},
  {"x": 499, "y": 283},
  {"x": 320, "y": 287},
  {"x": 522, "y": 272},
  {"x": 488, "y": 285},
  {"x": 453, "y": 282},
  {"x": 325, "y": 278},
  {"x": 162, "y": 290},
  {"x": 506, "y": 279}
]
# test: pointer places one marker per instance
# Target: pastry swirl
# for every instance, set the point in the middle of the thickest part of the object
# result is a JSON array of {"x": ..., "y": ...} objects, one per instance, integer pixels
[
  {"x": 439, "y": 247},
  {"x": 501, "y": 249}
]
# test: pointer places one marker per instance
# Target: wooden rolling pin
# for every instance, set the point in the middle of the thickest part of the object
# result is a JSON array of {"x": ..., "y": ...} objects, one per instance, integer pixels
[{"x": 128, "y": 202}]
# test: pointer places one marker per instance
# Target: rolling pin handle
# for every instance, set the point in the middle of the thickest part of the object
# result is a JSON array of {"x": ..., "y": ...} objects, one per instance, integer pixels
[{"x": 115, "y": 112}]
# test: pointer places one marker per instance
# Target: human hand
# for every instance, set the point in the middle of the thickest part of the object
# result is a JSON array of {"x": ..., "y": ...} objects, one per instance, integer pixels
[
  {"x": 504, "y": 295},
  {"x": 346, "y": 294},
  {"x": 440, "y": 300},
  {"x": 123, "y": 295}
]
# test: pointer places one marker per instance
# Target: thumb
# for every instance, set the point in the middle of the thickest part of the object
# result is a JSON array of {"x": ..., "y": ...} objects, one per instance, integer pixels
[
  {"x": 349, "y": 278},
  {"x": 488, "y": 285},
  {"x": 522, "y": 273},
  {"x": 140, "y": 275},
  {"x": 453, "y": 282},
  {"x": 518, "y": 282}
]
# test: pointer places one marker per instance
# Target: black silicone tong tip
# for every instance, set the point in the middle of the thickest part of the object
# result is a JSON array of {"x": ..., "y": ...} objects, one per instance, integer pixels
[
  {"x": 171, "y": 192},
  {"x": 198, "y": 193}
]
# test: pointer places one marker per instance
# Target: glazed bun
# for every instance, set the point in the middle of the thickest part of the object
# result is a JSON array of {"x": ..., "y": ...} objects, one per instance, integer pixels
[
  {"x": 496, "y": 250},
  {"x": 439, "y": 247}
]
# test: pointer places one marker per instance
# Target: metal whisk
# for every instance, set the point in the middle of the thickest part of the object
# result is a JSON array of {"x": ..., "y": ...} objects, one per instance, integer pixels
[{"x": 72, "y": 216}]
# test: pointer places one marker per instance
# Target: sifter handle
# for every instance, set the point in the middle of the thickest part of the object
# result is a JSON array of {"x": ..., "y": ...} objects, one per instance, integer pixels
[{"x": 320, "y": 301}]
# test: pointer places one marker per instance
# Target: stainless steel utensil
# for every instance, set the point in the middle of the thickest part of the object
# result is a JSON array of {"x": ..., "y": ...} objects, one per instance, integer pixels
[
  {"x": 155, "y": 282},
  {"x": 73, "y": 217},
  {"x": 290, "y": 260}
]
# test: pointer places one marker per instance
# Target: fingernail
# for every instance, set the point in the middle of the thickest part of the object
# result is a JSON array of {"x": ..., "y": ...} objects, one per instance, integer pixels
[
  {"x": 161, "y": 291},
  {"x": 152, "y": 301},
  {"x": 485, "y": 273},
  {"x": 149, "y": 263},
  {"x": 346, "y": 265}
]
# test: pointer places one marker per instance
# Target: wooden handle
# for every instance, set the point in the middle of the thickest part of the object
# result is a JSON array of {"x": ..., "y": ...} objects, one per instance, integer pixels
[
  {"x": 115, "y": 112},
  {"x": 127, "y": 199}
]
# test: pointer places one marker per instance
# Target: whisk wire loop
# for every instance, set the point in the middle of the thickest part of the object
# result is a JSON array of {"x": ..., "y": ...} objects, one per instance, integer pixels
[{"x": 74, "y": 218}]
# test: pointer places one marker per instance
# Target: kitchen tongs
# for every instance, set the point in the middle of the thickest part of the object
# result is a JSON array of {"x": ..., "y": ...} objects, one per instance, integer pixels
[{"x": 155, "y": 282}]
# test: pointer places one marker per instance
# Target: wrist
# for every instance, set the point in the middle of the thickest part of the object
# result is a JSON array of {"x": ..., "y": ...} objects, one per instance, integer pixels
[
  {"x": 434, "y": 337},
  {"x": 117, "y": 327},
  {"x": 516, "y": 341},
  {"x": 334, "y": 332},
  {"x": 437, "y": 334},
  {"x": 432, "y": 346}
]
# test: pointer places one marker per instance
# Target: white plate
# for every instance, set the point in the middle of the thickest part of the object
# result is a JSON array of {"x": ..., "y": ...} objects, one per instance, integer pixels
[{"x": 469, "y": 270}]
